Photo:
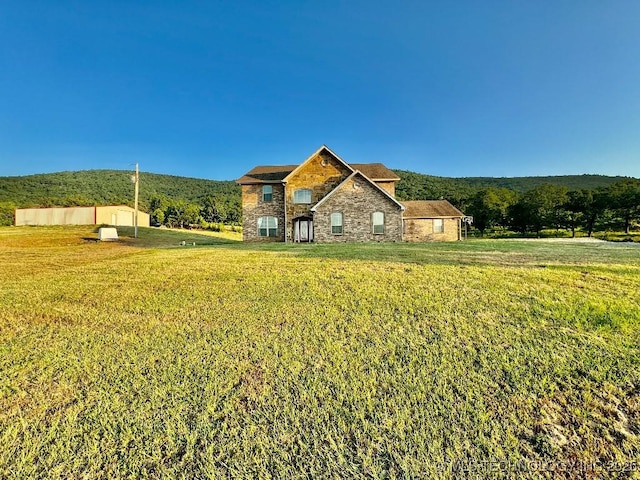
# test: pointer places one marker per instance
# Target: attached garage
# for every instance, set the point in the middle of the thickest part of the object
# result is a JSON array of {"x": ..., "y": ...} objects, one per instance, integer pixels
[{"x": 431, "y": 221}]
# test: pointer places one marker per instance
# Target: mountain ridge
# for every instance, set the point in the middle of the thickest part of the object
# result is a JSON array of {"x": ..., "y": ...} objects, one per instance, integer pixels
[{"x": 101, "y": 186}]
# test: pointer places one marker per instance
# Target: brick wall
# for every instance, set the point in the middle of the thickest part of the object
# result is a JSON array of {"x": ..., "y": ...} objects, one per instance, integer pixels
[
  {"x": 254, "y": 207},
  {"x": 357, "y": 200},
  {"x": 421, "y": 230}
]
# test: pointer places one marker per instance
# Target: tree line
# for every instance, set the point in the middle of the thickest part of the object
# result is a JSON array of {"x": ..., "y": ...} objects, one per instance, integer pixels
[
  {"x": 613, "y": 207},
  {"x": 170, "y": 200},
  {"x": 526, "y": 205},
  {"x": 210, "y": 212}
]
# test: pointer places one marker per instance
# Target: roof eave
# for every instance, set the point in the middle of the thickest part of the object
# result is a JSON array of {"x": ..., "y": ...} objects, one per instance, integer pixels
[
  {"x": 259, "y": 182},
  {"x": 357, "y": 172},
  {"x": 413, "y": 217},
  {"x": 323, "y": 147}
]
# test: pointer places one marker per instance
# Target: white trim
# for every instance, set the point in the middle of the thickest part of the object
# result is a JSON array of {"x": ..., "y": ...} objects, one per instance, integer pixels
[
  {"x": 297, "y": 231},
  {"x": 298, "y": 191},
  {"x": 383, "y": 224},
  {"x": 267, "y": 228},
  {"x": 331, "y": 225},
  {"x": 270, "y": 193},
  {"x": 285, "y": 227}
]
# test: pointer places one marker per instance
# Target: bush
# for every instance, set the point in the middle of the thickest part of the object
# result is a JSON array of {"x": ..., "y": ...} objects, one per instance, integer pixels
[
  {"x": 214, "y": 226},
  {"x": 7, "y": 211}
]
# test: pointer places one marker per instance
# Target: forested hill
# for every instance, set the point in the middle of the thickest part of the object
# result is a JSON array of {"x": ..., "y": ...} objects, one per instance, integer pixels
[
  {"x": 417, "y": 186},
  {"x": 178, "y": 201},
  {"x": 103, "y": 187},
  {"x": 107, "y": 187}
]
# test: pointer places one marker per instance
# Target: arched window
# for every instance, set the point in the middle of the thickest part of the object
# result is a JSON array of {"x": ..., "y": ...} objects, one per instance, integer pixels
[
  {"x": 267, "y": 227},
  {"x": 267, "y": 193},
  {"x": 302, "y": 195},
  {"x": 377, "y": 220},
  {"x": 336, "y": 223}
]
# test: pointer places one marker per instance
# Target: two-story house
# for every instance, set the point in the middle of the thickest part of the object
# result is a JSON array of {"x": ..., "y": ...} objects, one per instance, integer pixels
[{"x": 325, "y": 199}]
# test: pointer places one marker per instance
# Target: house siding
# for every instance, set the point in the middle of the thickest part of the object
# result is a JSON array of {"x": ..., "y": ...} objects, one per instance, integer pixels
[
  {"x": 357, "y": 199},
  {"x": 421, "y": 230},
  {"x": 254, "y": 207}
]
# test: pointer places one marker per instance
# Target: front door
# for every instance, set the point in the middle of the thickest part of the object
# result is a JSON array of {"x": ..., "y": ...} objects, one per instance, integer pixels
[{"x": 303, "y": 230}]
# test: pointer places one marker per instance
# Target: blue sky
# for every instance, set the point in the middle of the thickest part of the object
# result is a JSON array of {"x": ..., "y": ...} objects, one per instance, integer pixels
[{"x": 210, "y": 89}]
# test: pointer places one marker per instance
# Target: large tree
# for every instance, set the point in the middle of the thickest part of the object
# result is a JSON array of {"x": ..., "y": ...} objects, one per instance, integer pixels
[
  {"x": 539, "y": 208},
  {"x": 624, "y": 198},
  {"x": 489, "y": 207}
]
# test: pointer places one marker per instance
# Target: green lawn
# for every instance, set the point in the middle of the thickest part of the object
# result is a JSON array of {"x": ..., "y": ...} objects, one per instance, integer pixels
[{"x": 147, "y": 359}]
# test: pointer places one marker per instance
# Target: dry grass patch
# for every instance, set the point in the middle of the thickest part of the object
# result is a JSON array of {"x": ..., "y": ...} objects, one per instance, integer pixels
[{"x": 288, "y": 361}]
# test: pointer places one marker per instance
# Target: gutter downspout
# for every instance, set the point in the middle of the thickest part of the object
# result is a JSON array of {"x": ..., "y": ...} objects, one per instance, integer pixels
[{"x": 284, "y": 196}]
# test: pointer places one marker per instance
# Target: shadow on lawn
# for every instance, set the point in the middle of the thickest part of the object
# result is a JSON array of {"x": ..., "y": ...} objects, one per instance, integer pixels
[
  {"x": 473, "y": 252},
  {"x": 477, "y": 252},
  {"x": 168, "y": 238}
]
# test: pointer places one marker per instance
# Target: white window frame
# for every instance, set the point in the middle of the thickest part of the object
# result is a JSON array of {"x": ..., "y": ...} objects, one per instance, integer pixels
[
  {"x": 267, "y": 190},
  {"x": 377, "y": 228},
  {"x": 335, "y": 225},
  {"x": 438, "y": 225},
  {"x": 269, "y": 225},
  {"x": 300, "y": 192}
]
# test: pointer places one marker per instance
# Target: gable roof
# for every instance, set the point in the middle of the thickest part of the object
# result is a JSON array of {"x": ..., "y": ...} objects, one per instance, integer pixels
[
  {"x": 281, "y": 173},
  {"x": 325, "y": 148},
  {"x": 430, "y": 209},
  {"x": 266, "y": 174},
  {"x": 367, "y": 179},
  {"x": 376, "y": 171}
]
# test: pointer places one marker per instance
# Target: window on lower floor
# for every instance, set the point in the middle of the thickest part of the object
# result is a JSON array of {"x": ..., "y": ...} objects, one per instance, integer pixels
[
  {"x": 336, "y": 223},
  {"x": 438, "y": 225},
  {"x": 302, "y": 195},
  {"x": 267, "y": 227},
  {"x": 267, "y": 193},
  {"x": 377, "y": 219}
]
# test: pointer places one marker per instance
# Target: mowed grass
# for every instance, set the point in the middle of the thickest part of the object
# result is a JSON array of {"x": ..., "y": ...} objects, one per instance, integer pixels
[{"x": 146, "y": 359}]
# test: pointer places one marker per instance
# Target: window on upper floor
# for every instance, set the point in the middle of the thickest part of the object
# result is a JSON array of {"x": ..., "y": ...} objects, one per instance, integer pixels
[
  {"x": 438, "y": 225},
  {"x": 302, "y": 195},
  {"x": 336, "y": 223},
  {"x": 267, "y": 193},
  {"x": 377, "y": 220},
  {"x": 267, "y": 227}
]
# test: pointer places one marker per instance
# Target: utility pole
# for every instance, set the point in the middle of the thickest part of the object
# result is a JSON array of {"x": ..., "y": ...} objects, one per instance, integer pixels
[{"x": 136, "y": 181}]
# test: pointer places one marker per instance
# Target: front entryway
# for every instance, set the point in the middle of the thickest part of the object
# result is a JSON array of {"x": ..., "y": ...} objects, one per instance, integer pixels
[{"x": 303, "y": 229}]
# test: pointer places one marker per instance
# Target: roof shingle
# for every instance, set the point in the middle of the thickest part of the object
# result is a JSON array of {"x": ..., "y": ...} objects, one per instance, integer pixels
[
  {"x": 375, "y": 171},
  {"x": 430, "y": 209},
  {"x": 277, "y": 173},
  {"x": 266, "y": 174}
]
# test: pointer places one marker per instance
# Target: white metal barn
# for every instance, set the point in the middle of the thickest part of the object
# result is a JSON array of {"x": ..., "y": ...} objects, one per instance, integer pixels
[{"x": 116, "y": 215}]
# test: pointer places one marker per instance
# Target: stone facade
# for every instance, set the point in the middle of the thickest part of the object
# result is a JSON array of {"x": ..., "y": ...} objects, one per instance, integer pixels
[
  {"x": 421, "y": 230},
  {"x": 357, "y": 191},
  {"x": 320, "y": 174},
  {"x": 254, "y": 207},
  {"x": 357, "y": 200}
]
